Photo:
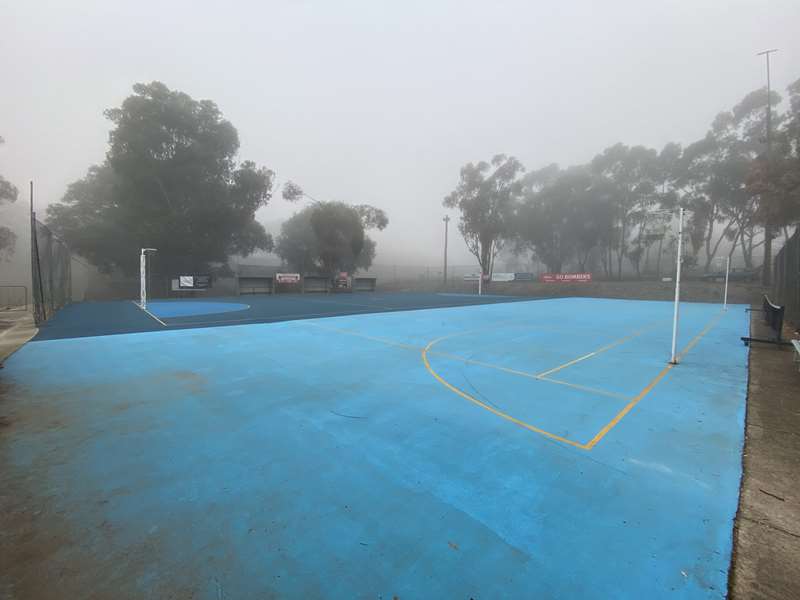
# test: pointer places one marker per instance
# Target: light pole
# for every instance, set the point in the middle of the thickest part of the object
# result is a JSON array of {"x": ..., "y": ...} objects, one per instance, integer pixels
[
  {"x": 766, "y": 268},
  {"x": 446, "y": 220}
]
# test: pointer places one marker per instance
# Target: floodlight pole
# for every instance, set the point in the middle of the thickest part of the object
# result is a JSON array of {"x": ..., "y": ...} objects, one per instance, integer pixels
[
  {"x": 676, "y": 312},
  {"x": 766, "y": 268},
  {"x": 727, "y": 270},
  {"x": 143, "y": 276}
]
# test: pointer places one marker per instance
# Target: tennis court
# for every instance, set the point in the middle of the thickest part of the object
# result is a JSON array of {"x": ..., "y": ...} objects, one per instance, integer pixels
[{"x": 401, "y": 446}]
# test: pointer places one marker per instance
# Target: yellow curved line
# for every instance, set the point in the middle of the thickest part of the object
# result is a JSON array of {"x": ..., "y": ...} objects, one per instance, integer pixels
[
  {"x": 491, "y": 409},
  {"x": 600, "y": 434}
]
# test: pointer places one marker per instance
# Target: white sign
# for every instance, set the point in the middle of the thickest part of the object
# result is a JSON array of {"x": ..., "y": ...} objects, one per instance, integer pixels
[
  {"x": 502, "y": 277},
  {"x": 287, "y": 277}
]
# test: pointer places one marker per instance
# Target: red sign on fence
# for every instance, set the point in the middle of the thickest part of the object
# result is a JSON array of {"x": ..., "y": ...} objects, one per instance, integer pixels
[{"x": 565, "y": 277}]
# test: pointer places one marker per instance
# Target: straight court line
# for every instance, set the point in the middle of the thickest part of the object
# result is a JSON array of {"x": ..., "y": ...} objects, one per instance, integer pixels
[
  {"x": 470, "y": 361},
  {"x": 604, "y": 431},
  {"x": 365, "y": 336},
  {"x": 351, "y": 304},
  {"x": 149, "y": 313},
  {"x": 613, "y": 344},
  {"x": 303, "y": 316},
  {"x": 537, "y": 377},
  {"x": 272, "y": 319},
  {"x": 649, "y": 388}
]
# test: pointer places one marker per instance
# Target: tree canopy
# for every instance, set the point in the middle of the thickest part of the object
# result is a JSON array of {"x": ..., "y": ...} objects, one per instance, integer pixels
[
  {"x": 564, "y": 216},
  {"x": 8, "y": 193},
  {"x": 614, "y": 210},
  {"x": 486, "y": 197},
  {"x": 328, "y": 237},
  {"x": 170, "y": 181}
]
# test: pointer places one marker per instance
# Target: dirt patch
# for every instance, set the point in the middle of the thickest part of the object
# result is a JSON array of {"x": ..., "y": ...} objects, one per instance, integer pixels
[{"x": 194, "y": 382}]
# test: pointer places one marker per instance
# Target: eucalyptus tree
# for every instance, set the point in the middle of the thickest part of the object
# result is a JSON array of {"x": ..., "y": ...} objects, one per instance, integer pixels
[
  {"x": 634, "y": 173},
  {"x": 170, "y": 181},
  {"x": 8, "y": 193},
  {"x": 487, "y": 197}
]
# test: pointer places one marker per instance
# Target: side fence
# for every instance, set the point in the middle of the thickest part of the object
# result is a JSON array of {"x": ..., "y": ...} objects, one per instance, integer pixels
[
  {"x": 786, "y": 272},
  {"x": 51, "y": 266}
]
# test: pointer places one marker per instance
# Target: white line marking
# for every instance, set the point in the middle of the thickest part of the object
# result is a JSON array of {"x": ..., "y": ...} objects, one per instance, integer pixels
[
  {"x": 149, "y": 313},
  {"x": 350, "y": 304}
]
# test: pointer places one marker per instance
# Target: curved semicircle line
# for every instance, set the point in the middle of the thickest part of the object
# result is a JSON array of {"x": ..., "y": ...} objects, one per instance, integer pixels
[{"x": 485, "y": 406}]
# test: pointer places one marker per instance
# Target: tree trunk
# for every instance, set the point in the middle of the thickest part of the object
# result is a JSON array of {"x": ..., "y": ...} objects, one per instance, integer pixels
[
  {"x": 658, "y": 261},
  {"x": 711, "y": 253},
  {"x": 621, "y": 250},
  {"x": 746, "y": 242},
  {"x": 707, "y": 241}
]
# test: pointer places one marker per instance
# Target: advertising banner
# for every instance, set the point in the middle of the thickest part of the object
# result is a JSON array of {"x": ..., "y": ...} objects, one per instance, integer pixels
[
  {"x": 287, "y": 277},
  {"x": 565, "y": 277}
]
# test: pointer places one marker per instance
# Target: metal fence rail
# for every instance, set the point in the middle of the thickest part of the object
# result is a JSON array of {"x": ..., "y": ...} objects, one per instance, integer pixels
[{"x": 787, "y": 276}]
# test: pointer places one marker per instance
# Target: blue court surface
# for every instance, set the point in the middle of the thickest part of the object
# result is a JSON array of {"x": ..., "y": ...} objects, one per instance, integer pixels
[{"x": 412, "y": 447}]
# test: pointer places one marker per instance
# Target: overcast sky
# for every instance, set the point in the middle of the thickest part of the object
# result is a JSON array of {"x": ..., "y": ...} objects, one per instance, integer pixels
[{"x": 382, "y": 102}]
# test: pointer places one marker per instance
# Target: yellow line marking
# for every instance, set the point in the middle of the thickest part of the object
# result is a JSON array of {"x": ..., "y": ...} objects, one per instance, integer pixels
[
  {"x": 491, "y": 409},
  {"x": 537, "y": 377},
  {"x": 583, "y": 388},
  {"x": 604, "y": 431},
  {"x": 365, "y": 336},
  {"x": 629, "y": 407},
  {"x": 427, "y": 350}
]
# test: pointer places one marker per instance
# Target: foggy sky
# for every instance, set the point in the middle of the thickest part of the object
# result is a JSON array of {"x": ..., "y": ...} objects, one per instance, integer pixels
[{"x": 383, "y": 102}]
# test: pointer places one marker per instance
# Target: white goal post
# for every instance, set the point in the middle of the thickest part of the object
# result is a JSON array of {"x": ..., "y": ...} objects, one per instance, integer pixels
[{"x": 143, "y": 275}]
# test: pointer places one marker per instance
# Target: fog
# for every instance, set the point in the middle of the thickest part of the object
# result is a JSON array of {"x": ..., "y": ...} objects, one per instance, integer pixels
[{"x": 382, "y": 103}]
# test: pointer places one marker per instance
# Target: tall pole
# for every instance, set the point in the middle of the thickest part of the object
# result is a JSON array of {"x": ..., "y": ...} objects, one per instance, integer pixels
[
  {"x": 143, "y": 276},
  {"x": 676, "y": 311},
  {"x": 766, "y": 268},
  {"x": 143, "y": 279},
  {"x": 446, "y": 220}
]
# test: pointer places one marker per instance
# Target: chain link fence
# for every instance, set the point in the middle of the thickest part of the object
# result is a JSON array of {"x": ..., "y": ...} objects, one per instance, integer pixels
[
  {"x": 787, "y": 277},
  {"x": 51, "y": 266}
]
